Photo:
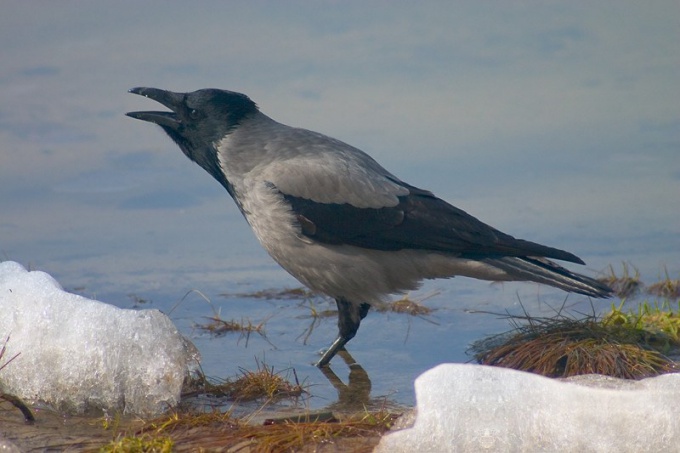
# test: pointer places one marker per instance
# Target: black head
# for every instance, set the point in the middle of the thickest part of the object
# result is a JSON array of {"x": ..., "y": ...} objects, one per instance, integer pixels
[{"x": 197, "y": 120}]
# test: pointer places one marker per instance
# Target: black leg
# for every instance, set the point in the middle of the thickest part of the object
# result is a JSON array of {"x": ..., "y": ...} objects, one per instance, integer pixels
[{"x": 349, "y": 318}]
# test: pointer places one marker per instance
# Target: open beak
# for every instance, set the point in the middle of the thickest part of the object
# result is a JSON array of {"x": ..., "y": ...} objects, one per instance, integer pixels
[{"x": 171, "y": 100}]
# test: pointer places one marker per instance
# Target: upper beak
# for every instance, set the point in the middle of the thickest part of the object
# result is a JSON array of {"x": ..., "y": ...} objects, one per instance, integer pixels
[{"x": 171, "y": 100}]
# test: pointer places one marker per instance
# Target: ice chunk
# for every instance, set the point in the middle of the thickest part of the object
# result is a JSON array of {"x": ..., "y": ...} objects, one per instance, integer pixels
[
  {"x": 79, "y": 355},
  {"x": 479, "y": 408}
]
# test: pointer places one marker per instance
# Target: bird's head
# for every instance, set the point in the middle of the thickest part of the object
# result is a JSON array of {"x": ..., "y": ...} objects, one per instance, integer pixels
[{"x": 198, "y": 120}]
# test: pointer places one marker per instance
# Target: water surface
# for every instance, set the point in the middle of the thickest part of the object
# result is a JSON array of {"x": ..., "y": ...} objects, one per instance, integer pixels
[{"x": 555, "y": 123}]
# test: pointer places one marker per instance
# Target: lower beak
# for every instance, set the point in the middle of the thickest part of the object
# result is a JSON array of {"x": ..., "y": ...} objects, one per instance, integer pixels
[{"x": 168, "y": 98}]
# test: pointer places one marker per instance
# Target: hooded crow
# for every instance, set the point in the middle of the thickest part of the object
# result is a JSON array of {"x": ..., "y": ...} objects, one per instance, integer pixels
[{"x": 335, "y": 219}]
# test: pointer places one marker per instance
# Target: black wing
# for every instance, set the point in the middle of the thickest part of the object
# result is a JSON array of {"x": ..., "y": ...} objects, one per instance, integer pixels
[{"x": 419, "y": 221}]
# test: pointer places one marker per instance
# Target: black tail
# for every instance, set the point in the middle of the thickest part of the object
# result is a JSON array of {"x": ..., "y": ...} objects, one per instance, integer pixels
[{"x": 541, "y": 270}]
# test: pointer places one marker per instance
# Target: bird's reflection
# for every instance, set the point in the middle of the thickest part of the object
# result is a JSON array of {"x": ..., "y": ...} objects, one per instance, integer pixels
[{"x": 356, "y": 393}]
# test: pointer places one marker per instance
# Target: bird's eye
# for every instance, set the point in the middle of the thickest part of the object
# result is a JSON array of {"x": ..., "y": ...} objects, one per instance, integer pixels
[{"x": 193, "y": 114}]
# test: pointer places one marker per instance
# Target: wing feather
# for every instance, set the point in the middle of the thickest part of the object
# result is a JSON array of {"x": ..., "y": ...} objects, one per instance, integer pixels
[
  {"x": 419, "y": 221},
  {"x": 340, "y": 195}
]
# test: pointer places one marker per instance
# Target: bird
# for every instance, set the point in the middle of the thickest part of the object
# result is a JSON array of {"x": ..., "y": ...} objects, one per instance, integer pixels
[{"x": 335, "y": 219}]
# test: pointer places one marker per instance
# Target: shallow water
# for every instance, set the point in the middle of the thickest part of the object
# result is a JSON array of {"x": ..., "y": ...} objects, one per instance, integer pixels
[{"x": 534, "y": 121}]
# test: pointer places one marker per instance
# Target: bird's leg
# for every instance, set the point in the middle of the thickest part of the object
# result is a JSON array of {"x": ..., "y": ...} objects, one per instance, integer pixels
[{"x": 349, "y": 318}]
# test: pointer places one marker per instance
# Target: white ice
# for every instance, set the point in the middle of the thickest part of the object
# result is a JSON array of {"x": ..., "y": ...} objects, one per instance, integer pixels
[
  {"x": 81, "y": 355},
  {"x": 466, "y": 408}
]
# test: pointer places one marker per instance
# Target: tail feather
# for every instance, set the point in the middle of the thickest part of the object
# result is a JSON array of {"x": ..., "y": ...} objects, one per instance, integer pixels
[{"x": 541, "y": 270}]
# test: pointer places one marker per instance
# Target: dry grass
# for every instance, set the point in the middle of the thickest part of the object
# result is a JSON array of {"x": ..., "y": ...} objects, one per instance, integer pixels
[
  {"x": 261, "y": 384},
  {"x": 139, "y": 444},
  {"x": 192, "y": 431},
  {"x": 198, "y": 430},
  {"x": 626, "y": 285},
  {"x": 667, "y": 288},
  {"x": 219, "y": 327},
  {"x": 562, "y": 347},
  {"x": 291, "y": 436},
  {"x": 408, "y": 306}
]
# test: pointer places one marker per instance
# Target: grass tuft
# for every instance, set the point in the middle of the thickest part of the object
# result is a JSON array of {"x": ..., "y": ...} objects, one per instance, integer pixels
[
  {"x": 219, "y": 327},
  {"x": 659, "y": 322},
  {"x": 562, "y": 347},
  {"x": 406, "y": 306},
  {"x": 626, "y": 285},
  {"x": 666, "y": 288},
  {"x": 409, "y": 306},
  {"x": 262, "y": 383}
]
